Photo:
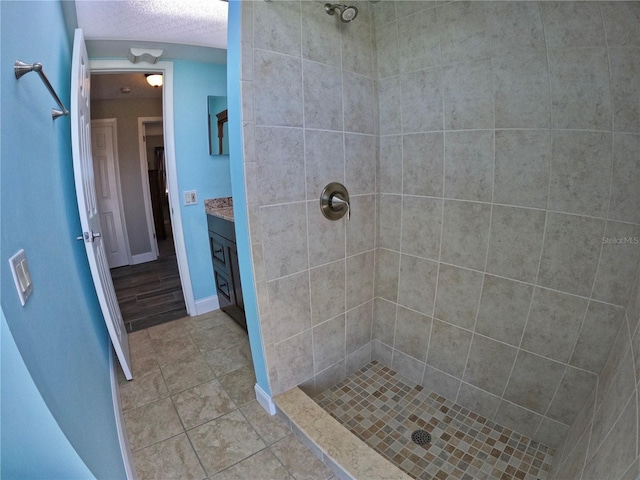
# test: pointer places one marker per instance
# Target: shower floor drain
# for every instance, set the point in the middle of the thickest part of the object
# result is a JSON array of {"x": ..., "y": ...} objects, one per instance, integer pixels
[{"x": 421, "y": 437}]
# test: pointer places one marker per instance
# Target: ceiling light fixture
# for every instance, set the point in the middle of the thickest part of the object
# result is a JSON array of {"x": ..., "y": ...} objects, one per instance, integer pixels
[{"x": 154, "y": 79}]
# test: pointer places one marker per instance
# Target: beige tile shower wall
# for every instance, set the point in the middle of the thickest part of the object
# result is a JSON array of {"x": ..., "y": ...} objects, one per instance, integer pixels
[
  {"x": 310, "y": 118},
  {"x": 603, "y": 440},
  {"x": 509, "y": 149}
]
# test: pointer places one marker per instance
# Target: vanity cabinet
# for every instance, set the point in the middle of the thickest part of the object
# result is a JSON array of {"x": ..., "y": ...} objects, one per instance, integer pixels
[{"x": 226, "y": 272}]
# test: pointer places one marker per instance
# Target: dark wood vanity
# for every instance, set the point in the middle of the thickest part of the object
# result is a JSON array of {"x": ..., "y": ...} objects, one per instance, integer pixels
[{"x": 226, "y": 272}]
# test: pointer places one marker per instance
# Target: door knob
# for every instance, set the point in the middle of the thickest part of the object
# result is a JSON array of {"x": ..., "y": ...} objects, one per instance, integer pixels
[{"x": 88, "y": 236}]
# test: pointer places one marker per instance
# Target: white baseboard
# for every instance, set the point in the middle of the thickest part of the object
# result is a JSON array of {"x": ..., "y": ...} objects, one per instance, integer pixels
[
  {"x": 143, "y": 258},
  {"x": 265, "y": 400},
  {"x": 207, "y": 305},
  {"x": 125, "y": 449}
]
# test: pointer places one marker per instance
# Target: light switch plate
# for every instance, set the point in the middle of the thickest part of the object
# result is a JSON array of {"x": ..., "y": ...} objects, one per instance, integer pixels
[
  {"x": 21, "y": 276},
  {"x": 190, "y": 197}
]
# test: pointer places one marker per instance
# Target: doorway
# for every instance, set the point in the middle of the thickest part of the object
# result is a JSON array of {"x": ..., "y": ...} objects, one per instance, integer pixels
[
  {"x": 148, "y": 287},
  {"x": 150, "y": 293}
]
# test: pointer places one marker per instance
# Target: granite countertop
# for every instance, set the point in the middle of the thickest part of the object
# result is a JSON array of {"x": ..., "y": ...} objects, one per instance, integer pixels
[{"x": 220, "y": 207}]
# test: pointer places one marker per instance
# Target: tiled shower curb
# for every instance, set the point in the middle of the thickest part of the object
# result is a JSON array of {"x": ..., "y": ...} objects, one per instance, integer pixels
[{"x": 345, "y": 454}]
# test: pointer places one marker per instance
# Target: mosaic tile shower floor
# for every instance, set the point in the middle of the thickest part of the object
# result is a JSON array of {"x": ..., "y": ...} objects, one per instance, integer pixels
[{"x": 383, "y": 409}]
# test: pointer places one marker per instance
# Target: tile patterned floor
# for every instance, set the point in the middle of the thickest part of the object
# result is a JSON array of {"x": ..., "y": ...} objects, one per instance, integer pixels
[
  {"x": 190, "y": 411},
  {"x": 383, "y": 409}
]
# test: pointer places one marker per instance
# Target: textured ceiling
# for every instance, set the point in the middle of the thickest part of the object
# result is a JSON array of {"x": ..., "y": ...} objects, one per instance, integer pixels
[
  {"x": 184, "y": 29},
  {"x": 188, "y": 22}
]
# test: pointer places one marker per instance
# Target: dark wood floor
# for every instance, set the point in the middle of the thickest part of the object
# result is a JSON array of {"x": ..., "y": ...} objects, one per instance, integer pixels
[{"x": 150, "y": 293}]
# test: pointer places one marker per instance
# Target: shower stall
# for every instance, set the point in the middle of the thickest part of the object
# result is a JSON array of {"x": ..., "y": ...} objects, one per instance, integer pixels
[{"x": 491, "y": 151}]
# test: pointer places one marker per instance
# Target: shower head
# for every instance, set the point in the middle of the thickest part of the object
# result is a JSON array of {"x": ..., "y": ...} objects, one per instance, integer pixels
[{"x": 347, "y": 14}]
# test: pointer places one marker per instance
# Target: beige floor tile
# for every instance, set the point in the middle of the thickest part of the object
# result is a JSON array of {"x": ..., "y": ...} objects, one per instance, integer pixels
[
  {"x": 183, "y": 358},
  {"x": 168, "y": 330},
  {"x": 263, "y": 465},
  {"x": 299, "y": 460},
  {"x": 186, "y": 373},
  {"x": 143, "y": 363},
  {"x": 143, "y": 356},
  {"x": 270, "y": 428},
  {"x": 235, "y": 327},
  {"x": 239, "y": 384},
  {"x": 196, "y": 324},
  {"x": 228, "y": 358},
  {"x": 143, "y": 389},
  {"x": 223, "y": 317},
  {"x": 225, "y": 441},
  {"x": 173, "y": 458},
  {"x": 171, "y": 350},
  {"x": 152, "y": 423},
  {"x": 138, "y": 339},
  {"x": 203, "y": 403},
  {"x": 215, "y": 337}
]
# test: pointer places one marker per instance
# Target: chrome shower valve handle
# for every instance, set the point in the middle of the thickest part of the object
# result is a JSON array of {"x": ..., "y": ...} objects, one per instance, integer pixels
[
  {"x": 334, "y": 202},
  {"x": 338, "y": 203}
]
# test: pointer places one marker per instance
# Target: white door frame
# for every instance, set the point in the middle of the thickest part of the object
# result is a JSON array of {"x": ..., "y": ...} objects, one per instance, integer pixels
[
  {"x": 166, "y": 68},
  {"x": 146, "y": 189},
  {"x": 112, "y": 123}
]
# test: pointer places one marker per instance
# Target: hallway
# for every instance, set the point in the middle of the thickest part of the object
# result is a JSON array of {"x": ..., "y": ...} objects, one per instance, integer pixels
[
  {"x": 150, "y": 293},
  {"x": 190, "y": 411}
]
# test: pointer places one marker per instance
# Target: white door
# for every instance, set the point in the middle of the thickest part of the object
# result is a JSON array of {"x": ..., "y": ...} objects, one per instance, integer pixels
[
  {"x": 85, "y": 191},
  {"x": 105, "y": 169}
]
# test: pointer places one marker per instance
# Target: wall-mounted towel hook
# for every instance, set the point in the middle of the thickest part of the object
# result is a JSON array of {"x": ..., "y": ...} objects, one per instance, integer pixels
[
  {"x": 22, "y": 68},
  {"x": 334, "y": 202}
]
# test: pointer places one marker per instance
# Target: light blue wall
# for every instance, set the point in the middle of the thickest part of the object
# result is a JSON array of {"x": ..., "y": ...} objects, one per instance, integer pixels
[
  {"x": 197, "y": 170},
  {"x": 60, "y": 333},
  {"x": 27, "y": 424},
  {"x": 239, "y": 194}
]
